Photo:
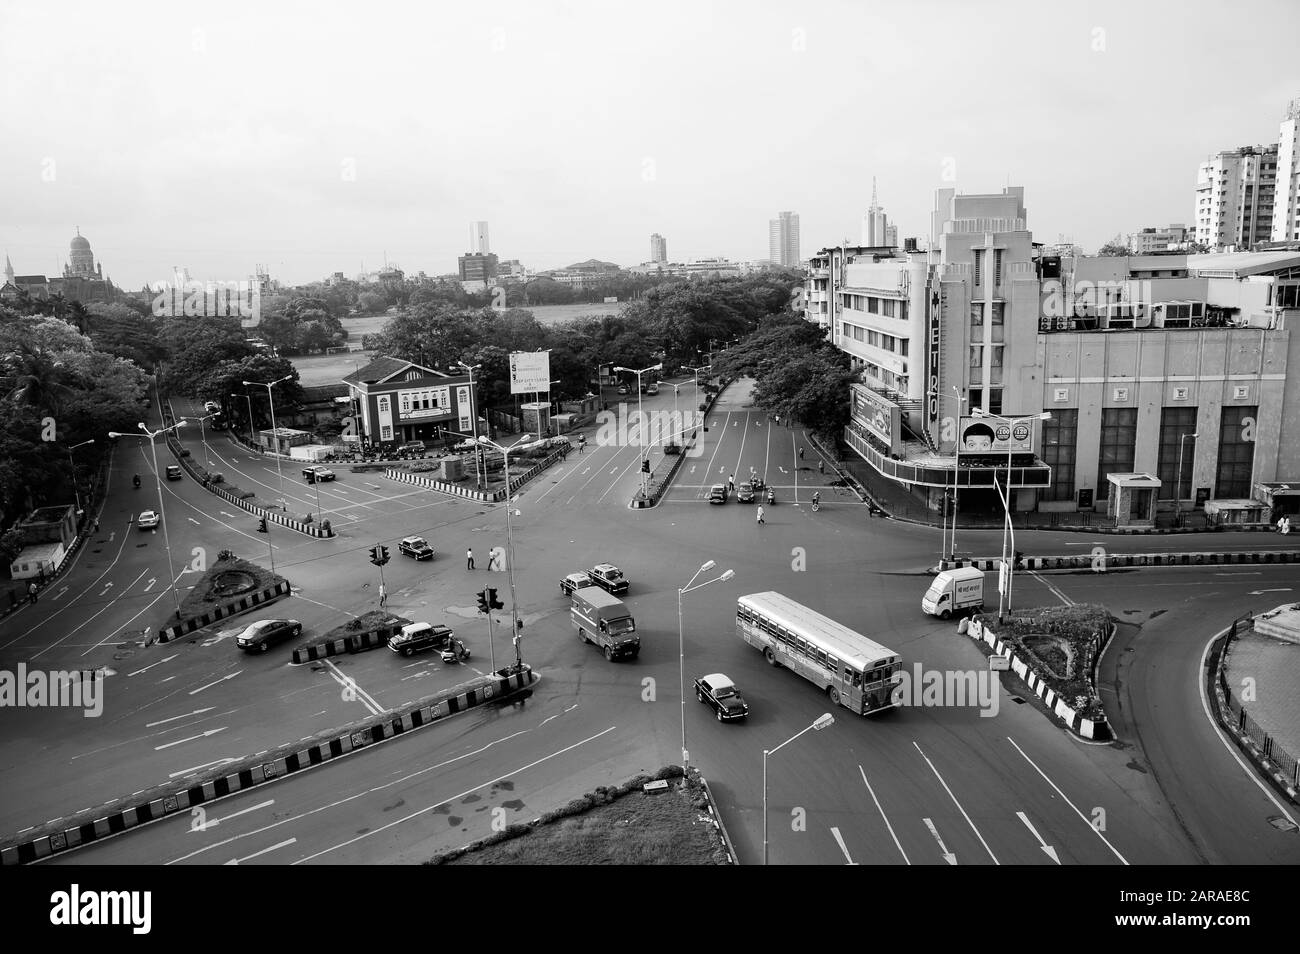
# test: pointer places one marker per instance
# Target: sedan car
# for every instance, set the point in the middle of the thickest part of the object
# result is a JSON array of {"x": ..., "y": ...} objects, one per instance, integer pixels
[
  {"x": 173, "y": 472},
  {"x": 417, "y": 637},
  {"x": 317, "y": 472},
  {"x": 147, "y": 520},
  {"x": 718, "y": 494},
  {"x": 744, "y": 492},
  {"x": 721, "y": 693},
  {"x": 610, "y": 577},
  {"x": 417, "y": 547},
  {"x": 622, "y": 389},
  {"x": 260, "y": 636},
  {"x": 576, "y": 581}
]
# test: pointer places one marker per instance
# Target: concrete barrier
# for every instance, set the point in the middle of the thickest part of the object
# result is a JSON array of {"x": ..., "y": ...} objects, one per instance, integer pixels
[
  {"x": 495, "y": 496},
  {"x": 233, "y": 608},
  {"x": 186, "y": 795},
  {"x": 1108, "y": 561},
  {"x": 350, "y": 643}
]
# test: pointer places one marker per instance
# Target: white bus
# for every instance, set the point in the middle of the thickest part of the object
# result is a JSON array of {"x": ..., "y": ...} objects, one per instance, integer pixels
[{"x": 854, "y": 671}]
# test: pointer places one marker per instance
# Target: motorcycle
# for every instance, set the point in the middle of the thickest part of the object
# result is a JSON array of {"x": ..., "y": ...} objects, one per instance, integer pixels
[
  {"x": 455, "y": 652},
  {"x": 771, "y": 497},
  {"x": 136, "y": 481},
  {"x": 816, "y": 503}
]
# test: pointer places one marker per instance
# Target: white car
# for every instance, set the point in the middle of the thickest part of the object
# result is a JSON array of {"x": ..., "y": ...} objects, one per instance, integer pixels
[{"x": 147, "y": 520}]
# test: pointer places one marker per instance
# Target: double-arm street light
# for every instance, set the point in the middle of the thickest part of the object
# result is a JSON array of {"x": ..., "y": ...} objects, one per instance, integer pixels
[
  {"x": 510, "y": 547},
  {"x": 275, "y": 436},
  {"x": 203, "y": 436},
  {"x": 1004, "y": 593},
  {"x": 681, "y": 639},
  {"x": 473, "y": 408},
  {"x": 821, "y": 722},
  {"x": 249, "y": 398},
  {"x": 695, "y": 372},
  {"x": 76, "y": 492},
  {"x": 645, "y": 491},
  {"x": 162, "y": 515}
]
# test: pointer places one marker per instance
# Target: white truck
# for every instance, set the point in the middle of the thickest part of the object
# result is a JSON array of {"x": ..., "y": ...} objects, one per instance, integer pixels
[
  {"x": 605, "y": 620},
  {"x": 955, "y": 591}
]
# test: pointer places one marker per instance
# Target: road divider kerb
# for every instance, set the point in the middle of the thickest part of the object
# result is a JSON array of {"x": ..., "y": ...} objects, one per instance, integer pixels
[
  {"x": 495, "y": 496},
  {"x": 183, "y": 795},
  {"x": 349, "y": 643},
  {"x": 231, "y": 608}
]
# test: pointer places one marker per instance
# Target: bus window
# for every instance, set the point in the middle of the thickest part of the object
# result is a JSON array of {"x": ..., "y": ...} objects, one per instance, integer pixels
[
  {"x": 833, "y": 665},
  {"x": 857, "y": 679}
]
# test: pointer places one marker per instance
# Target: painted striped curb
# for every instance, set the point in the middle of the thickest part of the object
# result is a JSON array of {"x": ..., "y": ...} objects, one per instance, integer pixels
[
  {"x": 233, "y": 608},
  {"x": 221, "y": 782},
  {"x": 351, "y": 643},
  {"x": 1112, "y": 561},
  {"x": 495, "y": 496},
  {"x": 1096, "y": 729}
]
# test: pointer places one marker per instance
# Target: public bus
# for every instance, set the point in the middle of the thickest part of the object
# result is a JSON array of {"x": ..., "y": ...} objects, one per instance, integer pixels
[{"x": 854, "y": 671}]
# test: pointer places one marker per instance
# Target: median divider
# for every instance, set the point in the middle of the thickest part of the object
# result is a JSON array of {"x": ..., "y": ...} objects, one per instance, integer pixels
[
  {"x": 351, "y": 643},
  {"x": 1114, "y": 561},
  {"x": 232, "y": 608},
  {"x": 495, "y": 496},
  {"x": 191, "y": 794}
]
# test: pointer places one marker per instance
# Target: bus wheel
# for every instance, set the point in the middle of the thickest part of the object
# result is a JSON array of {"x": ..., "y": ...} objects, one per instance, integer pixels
[
  {"x": 770, "y": 657},
  {"x": 834, "y": 694}
]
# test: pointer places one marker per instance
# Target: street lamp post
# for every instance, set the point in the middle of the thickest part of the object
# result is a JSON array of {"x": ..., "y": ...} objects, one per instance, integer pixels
[
  {"x": 510, "y": 549},
  {"x": 167, "y": 544},
  {"x": 249, "y": 398},
  {"x": 681, "y": 640},
  {"x": 75, "y": 490},
  {"x": 274, "y": 431},
  {"x": 956, "y": 467},
  {"x": 822, "y": 721},
  {"x": 1178, "y": 493},
  {"x": 645, "y": 490},
  {"x": 473, "y": 408},
  {"x": 203, "y": 436}
]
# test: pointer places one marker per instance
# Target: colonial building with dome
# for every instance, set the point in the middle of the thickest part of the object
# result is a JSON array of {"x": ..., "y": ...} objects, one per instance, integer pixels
[{"x": 82, "y": 280}]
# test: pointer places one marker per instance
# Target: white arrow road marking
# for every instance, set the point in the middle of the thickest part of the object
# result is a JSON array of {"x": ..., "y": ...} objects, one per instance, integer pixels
[
  {"x": 202, "y": 735},
  {"x": 192, "y": 520},
  {"x": 883, "y": 815},
  {"x": 211, "y": 684},
  {"x": 843, "y": 847},
  {"x": 151, "y": 665},
  {"x": 214, "y": 822},
  {"x": 60, "y": 593},
  {"x": 692, "y": 468},
  {"x": 958, "y": 804},
  {"x": 106, "y": 589},
  {"x": 948, "y": 856},
  {"x": 235, "y": 861},
  {"x": 1285, "y": 589},
  {"x": 224, "y": 514},
  {"x": 198, "y": 768},
  {"x": 1051, "y": 852},
  {"x": 152, "y": 581},
  {"x": 1255, "y": 573},
  {"x": 150, "y": 725},
  {"x": 111, "y": 536}
]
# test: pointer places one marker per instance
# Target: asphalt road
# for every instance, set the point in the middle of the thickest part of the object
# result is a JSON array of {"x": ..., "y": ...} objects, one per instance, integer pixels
[{"x": 914, "y": 785}]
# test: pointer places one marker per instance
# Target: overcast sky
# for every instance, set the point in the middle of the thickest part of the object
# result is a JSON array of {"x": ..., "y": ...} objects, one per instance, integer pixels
[{"x": 315, "y": 137}]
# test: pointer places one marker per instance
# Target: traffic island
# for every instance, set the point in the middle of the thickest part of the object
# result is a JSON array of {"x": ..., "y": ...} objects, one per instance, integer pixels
[
  {"x": 230, "y": 587},
  {"x": 191, "y": 795},
  {"x": 369, "y": 631},
  {"x": 669, "y": 818},
  {"x": 1055, "y": 650}
]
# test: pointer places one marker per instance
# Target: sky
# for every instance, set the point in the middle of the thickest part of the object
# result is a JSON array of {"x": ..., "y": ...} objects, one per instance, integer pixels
[{"x": 327, "y": 136}]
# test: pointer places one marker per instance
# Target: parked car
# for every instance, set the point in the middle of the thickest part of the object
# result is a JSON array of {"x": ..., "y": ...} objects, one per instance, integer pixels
[
  {"x": 609, "y": 577},
  {"x": 718, "y": 494},
  {"x": 173, "y": 471},
  {"x": 744, "y": 492},
  {"x": 260, "y": 636},
  {"x": 147, "y": 520},
  {"x": 211, "y": 407},
  {"x": 317, "y": 472},
  {"x": 417, "y": 637},
  {"x": 721, "y": 694},
  {"x": 623, "y": 389},
  {"x": 417, "y": 547},
  {"x": 652, "y": 389},
  {"x": 412, "y": 447},
  {"x": 576, "y": 581}
]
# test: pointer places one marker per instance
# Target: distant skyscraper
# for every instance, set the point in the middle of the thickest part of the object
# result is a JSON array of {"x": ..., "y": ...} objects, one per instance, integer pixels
[
  {"x": 658, "y": 248},
  {"x": 1234, "y": 197},
  {"x": 783, "y": 239},
  {"x": 1286, "y": 197},
  {"x": 478, "y": 238},
  {"x": 875, "y": 224}
]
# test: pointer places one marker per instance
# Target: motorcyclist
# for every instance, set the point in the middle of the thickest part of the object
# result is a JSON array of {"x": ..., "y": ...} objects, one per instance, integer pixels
[
  {"x": 771, "y": 495},
  {"x": 136, "y": 480},
  {"x": 817, "y": 498}
]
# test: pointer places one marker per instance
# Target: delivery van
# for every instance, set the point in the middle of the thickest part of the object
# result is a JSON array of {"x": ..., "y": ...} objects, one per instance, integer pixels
[
  {"x": 955, "y": 591},
  {"x": 605, "y": 620}
]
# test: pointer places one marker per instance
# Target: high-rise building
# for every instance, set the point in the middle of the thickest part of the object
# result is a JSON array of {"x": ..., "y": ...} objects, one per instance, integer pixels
[
  {"x": 477, "y": 267},
  {"x": 658, "y": 248},
  {"x": 875, "y": 224},
  {"x": 1234, "y": 197},
  {"x": 1286, "y": 195},
  {"x": 1147, "y": 241},
  {"x": 783, "y": 239},
  {"x": 478, "y": 238}
]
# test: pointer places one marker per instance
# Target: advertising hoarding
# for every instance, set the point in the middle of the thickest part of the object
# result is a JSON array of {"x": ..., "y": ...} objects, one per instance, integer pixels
[
  {"x": 530, "y": 371},
  {"x": 988, "y": 435}
]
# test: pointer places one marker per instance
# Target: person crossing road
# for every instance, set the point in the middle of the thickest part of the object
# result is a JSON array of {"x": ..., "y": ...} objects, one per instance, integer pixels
[{"x": 759, "y": 514}]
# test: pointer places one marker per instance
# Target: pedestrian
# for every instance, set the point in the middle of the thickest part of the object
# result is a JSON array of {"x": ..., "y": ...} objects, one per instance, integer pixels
[
  {"x": 821, "y": 467},
  {"x": 801, "y": 453},
  {"x": 759, "y": 513},
  {"x": 1286, "y": 525},
  {"x": 31, "y": 592},
  {"x": 731, "y": 484},
  {"x": 94, "y": 527},
  {"x": 469, "y": 559},
  {"x": 778, "y": 420},
  {"x": 383, "y": 595}
]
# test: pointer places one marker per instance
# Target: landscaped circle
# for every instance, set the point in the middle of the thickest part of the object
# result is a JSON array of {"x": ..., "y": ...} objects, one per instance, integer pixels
[{"x": 232, "y": 583}]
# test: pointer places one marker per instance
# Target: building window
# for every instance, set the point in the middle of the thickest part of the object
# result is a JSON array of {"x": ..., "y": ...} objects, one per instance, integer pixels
[
  {"x": 902, "y": 347},
  {"x": 979, "y": 261},
  {"x": 1118, "y": 443},
  {"x": 1175, "y": 422},
  {"x": 995, "y": 401},
  {"x": 977, "y": 317},
  {"x": 977, "y": 364},
  {"x": 995, "y": 364},
  {"x": 997, "y": 268},
  {"x": 1236, "y": 452},
  {"x": 1060, "y": 434}
]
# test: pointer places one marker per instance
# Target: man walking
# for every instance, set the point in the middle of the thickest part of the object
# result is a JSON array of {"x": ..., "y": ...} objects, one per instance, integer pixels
[
  {"x": 383, "y": 595},
  {"x": 469, "y": 559},
  {"x": 31, "y": 592},
  {"x": 759, "y": 513},
  {"x": 821, "y": 467},
  {"x": 731, "y": 484}
]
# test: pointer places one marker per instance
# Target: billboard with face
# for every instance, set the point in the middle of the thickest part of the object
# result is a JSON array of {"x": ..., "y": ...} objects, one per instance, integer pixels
[{"x": 983, "y": 435}]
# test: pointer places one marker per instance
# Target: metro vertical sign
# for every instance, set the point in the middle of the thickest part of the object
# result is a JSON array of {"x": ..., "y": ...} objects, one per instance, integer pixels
[{"x": 933, "y": 367}]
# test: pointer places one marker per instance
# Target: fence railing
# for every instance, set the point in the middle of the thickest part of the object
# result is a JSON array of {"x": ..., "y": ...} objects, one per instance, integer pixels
[{"x": 1285, "y": 761}]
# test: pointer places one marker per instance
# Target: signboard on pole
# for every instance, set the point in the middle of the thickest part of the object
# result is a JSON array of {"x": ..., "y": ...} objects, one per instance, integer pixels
[
  {"x": 1003, "y": 567},
  {"x": 530, "y": 371}
]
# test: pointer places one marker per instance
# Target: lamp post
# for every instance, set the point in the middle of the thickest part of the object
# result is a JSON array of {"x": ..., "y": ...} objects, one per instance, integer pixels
[
  {"x": 822, "y": 721},
  {"x": 274, "y": 430},
  {"x": 645, "y": 491},
  {"x": 681, "y": 640},
  {"x": 249, "y": 398},
  {"x": 1011, "y": 422},
  {"x": 76, "y": 492},
  {"x": 510, "y": 548},
  {"x": 473, "y": 408},
  {"x": 1178, "y": 493},
  {"x": 549, "y": 409},
  {"x": 696, "y": 373},
  {"x": 161, "y": 512},
  {"x": 956, "y": 466},
  {"x": 203, "y": 436}
]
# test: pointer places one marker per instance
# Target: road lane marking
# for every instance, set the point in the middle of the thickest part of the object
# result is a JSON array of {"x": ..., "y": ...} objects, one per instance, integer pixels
[
  {"x": 192, "y": 520},
  {"x": 348, "y": 683},
  {"x": 201, "y": 735},
  {"x": 897, "y": 844},
  {"x": 256, "y": 854},
  {"x": 109, "y": 587},
  {"x": 1284, "y": 589},
  {"x": 1081, "y": 815},
  {"x": 60, "y": 593},
  {"x": 948, "y": 856},
  {"x": 82, "y": 625},
  {"x": 211, "y": 684},
  {"x": 958, "y": 804},
  {"x": 843, "y": 847},
  {"x": 151, "y": 665},
  {"x": 150, "y": 725},
  {"x": 214, "y": 822},
  {"x": 1053, "y": 589},
  {"x": 1048, "y": 849},
  {"x": 141, "y": 612}
]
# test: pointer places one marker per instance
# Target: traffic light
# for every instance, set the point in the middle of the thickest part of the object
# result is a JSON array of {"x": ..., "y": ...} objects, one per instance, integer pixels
[
  {"x": 492, "y": 599},
  {"x": 483, "y": 600},
  {"x": 519, "y": 624},
  {"x": 261, "y": 525},
  {"x": 374, "y": 555},
  {"x": 645, "y": 466},
  {"x": 383, "y": 555}
]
